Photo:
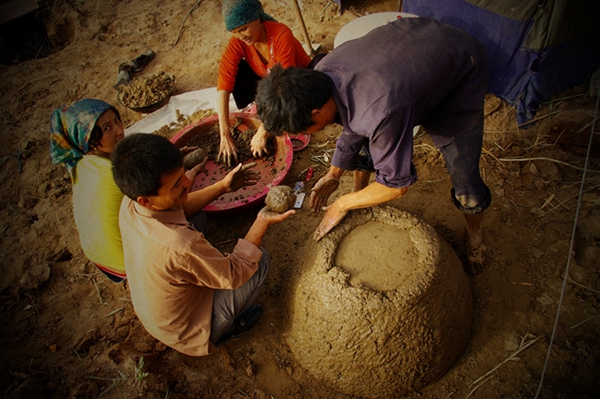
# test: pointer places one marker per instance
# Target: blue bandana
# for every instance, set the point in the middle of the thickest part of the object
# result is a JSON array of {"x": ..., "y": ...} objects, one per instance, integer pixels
[{"x": 240, "y": 12}]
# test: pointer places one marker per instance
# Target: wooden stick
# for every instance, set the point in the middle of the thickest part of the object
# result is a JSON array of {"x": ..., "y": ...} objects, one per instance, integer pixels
[
  {"x": 585, "y": 321},
  {"x": 311, "y": 51},
  {"x": 548, "y": 200},
  {"x": 537, "y": 119},
  {"x": 98, "y": 292},
  {"x": 583, "y": 286},
  {"x": 546, "y": 159},
  {"x": 522, "y": 347}
]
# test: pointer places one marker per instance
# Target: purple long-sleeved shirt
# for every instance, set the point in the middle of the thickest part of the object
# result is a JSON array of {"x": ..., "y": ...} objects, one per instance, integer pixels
[{"x": 413, "y": 71}]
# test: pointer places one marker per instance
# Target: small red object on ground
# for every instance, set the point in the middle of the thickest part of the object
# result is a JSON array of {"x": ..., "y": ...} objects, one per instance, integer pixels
[{"x": 309, "y": 174}]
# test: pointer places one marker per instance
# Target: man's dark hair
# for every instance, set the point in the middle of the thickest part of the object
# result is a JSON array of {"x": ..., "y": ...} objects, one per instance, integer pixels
[
  {"x": 140, "y": 160},
  {"x": 286, "y": 98}
]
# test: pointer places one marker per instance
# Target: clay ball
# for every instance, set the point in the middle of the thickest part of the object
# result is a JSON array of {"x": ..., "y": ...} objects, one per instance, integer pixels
[
  {"x": 193, "y": 158},
  {"x": 280, "y": 198}
]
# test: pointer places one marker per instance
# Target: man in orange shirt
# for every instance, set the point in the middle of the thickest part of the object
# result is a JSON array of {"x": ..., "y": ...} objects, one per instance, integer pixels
[
  {"x": 186, "y": 293},
  {"x": 258, "y": 43}
]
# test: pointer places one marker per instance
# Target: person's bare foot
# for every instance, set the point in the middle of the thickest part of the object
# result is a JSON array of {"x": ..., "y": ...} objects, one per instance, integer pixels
[{"x": 476, "y": 252}]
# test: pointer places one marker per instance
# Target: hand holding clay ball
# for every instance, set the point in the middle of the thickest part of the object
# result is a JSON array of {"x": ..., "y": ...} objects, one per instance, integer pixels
[
  {"x": 280, "y": 198},
  {"x": 193, "y": 158}
]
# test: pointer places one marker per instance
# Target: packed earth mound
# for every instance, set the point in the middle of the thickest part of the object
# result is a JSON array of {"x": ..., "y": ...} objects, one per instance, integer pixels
[{"x": 384, "y": 309}]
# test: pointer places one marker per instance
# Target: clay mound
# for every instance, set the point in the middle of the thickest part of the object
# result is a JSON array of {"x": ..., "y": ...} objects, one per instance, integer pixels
[{"x": 384, "y": 310}]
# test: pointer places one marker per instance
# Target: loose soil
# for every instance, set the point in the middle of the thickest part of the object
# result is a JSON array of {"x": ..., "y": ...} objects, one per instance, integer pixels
[
  {"x": 71, "y": 333},
  {"x": 147, "y": 90}
]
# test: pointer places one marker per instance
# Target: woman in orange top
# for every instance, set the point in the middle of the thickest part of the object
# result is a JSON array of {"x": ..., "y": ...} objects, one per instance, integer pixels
[{"x": 258, "y": 43}]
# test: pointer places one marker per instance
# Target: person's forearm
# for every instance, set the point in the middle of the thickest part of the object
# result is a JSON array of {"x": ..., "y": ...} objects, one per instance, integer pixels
[
  {"x": 262, "y": 132},
  {"x": 257, "y": 232},
  {"x": 223, "y": 110},
  {"x": 197, "y": 200},
  {"x": 335, "y": 172},
  {"x": 374, "y": 194}
]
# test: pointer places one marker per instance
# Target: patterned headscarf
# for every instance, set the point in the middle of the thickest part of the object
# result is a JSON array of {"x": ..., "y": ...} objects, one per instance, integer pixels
[
  {"x": 240, "y": 12},
  {"x": 71, "y": 128}
]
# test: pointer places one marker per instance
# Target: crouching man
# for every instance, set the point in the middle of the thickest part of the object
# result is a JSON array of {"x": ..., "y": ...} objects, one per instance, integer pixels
[{"x": 185, "y": 292}]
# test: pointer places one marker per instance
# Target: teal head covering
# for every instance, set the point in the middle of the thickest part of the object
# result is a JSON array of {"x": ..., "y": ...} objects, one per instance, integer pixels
[
  {"x": 240, "y": 12},
  {"x": 71, "y": 128}
]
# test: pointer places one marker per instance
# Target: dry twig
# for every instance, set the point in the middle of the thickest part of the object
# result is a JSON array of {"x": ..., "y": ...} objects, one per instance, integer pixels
[
  {"x": 487, "y": 152},
  {"x": 585, "y": 321},
  {"x": 545, "y": 159},
  {"x": 98, "y": 292},
  {"x": 479, "y": 382},
  {"x": 584, "y": 286},
  {"x": 538, "y": 118}
]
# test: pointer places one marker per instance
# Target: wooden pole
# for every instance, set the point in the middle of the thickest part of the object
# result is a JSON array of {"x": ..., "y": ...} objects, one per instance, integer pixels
[{"x": 309, "y": 46}]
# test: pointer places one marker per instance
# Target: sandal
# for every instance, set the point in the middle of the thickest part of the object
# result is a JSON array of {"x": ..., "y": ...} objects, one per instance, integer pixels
[
  {"x": 142, "y": 60},
  {"x": 299, "y": 141},
  {"x": 124, "y": 76}
]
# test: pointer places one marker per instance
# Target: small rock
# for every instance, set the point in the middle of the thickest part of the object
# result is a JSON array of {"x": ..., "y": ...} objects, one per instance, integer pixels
[
  {"x": 545, "y": 299},
  {"x": 250, "y": 370},
  {"x": 35, "y": 276},
  {"x": 160, "y": 347}
]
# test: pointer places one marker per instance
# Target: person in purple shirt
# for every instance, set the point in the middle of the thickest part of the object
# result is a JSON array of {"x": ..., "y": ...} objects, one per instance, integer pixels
[{"x": 413, "y": 71}]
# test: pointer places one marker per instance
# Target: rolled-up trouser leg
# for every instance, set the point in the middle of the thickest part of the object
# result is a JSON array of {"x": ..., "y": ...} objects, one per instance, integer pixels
[{"x": 469, "y": 192}]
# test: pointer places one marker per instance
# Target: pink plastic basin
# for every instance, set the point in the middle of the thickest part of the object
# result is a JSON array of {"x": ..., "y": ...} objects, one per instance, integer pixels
[{"x": 272, "y": 172}]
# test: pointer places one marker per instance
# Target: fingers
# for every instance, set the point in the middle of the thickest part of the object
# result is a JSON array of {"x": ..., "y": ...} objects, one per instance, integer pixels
[
  {"x": 274, "y": 217},
  {"x": 228, "y": 153},
  {"x": 258, "y": 153},
  {"x": 237, "y": 168},
  {"x": 186, "y": 148},
  {"x": 248, "y": 165},
  {"x": 320, "y": 232},
  {"x": 202, "y": 164},
  {"x": 332, "y": 218},
  {"x": 317, "y": 201}
]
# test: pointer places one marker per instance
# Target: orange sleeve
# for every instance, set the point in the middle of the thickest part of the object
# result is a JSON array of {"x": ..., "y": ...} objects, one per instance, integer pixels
[
  {"x": 228, "y": 66},
  {"x": 287, "y": 50}
]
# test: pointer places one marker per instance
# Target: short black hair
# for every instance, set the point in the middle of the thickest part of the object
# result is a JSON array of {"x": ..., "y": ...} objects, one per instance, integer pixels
[
  {"x": 286, "y": 98},
  {"x": 97, "y": 132},
  {"x": 140, "y": 160}
]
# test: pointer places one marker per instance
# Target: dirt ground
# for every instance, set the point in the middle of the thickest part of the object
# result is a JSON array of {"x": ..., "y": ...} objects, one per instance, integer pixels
[{"x": 68, "y": 332}]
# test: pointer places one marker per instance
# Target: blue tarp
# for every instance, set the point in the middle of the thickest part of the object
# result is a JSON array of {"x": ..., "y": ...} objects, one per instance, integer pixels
[{"x": 523, "y": 76}]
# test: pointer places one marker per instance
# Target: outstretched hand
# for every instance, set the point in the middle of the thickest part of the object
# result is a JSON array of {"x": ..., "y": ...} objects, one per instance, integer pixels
[
  {"x": 272, "y": 217},
  {"x": 321, "y": 191},
  {"x": 228, "y": 152},
  {"x": 241, "y": 176},
  {"x": 332, "y": 218}
]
